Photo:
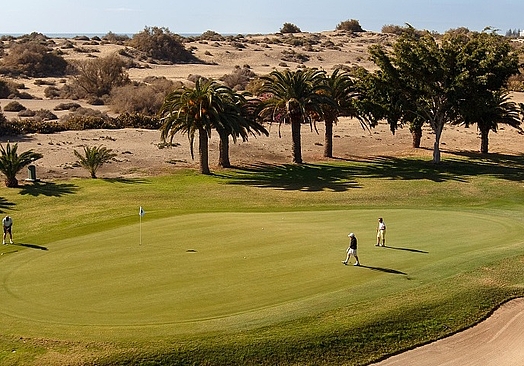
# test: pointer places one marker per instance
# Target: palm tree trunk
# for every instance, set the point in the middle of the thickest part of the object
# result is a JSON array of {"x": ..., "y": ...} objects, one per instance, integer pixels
[
  {"x": 223, "y": 159},
  {"x": 203, "y": 151},
  {"x": 484, "y": 141},
  {"x": 297, "y": 144},
  {"x": 11, "y": 182},
  {"x": 328, "y": 138},
  {"x": 416, "y": 134}
]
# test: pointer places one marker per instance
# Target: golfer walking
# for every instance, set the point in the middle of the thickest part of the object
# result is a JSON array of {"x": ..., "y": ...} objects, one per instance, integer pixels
[
  {"x": 381, "y": 233},
  {"x": 7, "y": 223},
  {"x": 352, "y": 250}
]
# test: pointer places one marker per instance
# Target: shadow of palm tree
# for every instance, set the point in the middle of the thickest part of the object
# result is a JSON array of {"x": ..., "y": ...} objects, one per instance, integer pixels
[
  {"x": 341, "y": 177},
  {"x": 508, "y": 167},
  {"x": 48, "y": 189},
  {"x": 125, "y": 180},
  {"x": 5, "y": 204},
  {"x": 32, "y": 246},
  {"x": 386, "y": 270},
  {"x": 305, "y": 177},
  {"x": 408, "y": 250}
]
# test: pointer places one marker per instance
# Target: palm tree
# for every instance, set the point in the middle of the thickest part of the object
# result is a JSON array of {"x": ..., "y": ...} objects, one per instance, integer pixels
[
  {"x": 295, "y": 97},
  {"x": 94, "y": 158},
  {"x": 339, "y": 88},
  {"x": 11, "y": 163},
  {"x": 487, "y": 110},
  {"x": 207, "y": 106},
  {"x": 499, "y": 109},
  {"x": 237, "y": 120}
]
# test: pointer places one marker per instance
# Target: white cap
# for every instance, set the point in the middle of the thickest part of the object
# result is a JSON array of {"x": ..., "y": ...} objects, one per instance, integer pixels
[{"x": 351, "y": 235}]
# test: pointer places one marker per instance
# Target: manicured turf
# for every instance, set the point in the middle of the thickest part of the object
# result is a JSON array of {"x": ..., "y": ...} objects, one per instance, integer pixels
[
  {"x": 206, "y": 270},
  {"x": 244, "y": 267}
]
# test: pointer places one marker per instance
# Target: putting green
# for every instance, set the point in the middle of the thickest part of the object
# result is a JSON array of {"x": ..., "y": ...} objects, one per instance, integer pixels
[{"x": 216, "y": 270}]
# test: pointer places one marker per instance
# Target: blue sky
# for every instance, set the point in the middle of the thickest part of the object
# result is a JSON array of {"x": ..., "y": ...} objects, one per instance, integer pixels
[{"x": 247, "y": 16}]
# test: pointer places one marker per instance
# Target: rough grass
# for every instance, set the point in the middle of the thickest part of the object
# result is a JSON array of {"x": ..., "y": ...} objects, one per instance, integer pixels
[{"x": 209, "y": 286}]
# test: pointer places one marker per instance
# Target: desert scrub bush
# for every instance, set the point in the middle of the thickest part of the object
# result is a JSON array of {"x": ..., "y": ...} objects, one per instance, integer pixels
[
  {"x": 210, "y": 36},
  {"x": 40, "y": 82},
  {"x": 22, "y": 126},
  {"x": 40, "y": 115},
  {"x": 26, "y": 113},
  {"x": 115, "y": 38},
  {"x": 8, "y": 89},
  {"x": 137, "y": 120},
  {"x": 351, "y": 25},
  {"x": 69, "y": 106},
  {"x": 239, "y": 78},
  {"x": 143, "y": 98},
  {"x": 14, "y": 106},
  {"x": 98, "y": 77},
  {"x": 290, "y": 28},
  {"x": 136, "y": 98},
  {"x": 33, "y": 59},
  {"x": 160, "y": 44},
  {"x": 79, "y": 122},
  {"x": 293, "y": 56}
]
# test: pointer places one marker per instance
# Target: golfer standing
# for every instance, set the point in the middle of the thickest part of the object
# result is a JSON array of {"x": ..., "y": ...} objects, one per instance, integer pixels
[
  {"x": 352, "y": 250},
  {"x": 7, "y": 223},
  {"x": 381, "y": 233}
]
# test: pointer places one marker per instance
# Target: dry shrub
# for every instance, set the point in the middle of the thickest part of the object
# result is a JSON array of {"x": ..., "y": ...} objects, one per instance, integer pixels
[
  {"x": 160, "y": 44},
  {"x": 352, "y": 25},
  {"x": 8, "y": 89},
  {"x": 99, "y": 76},
  {"x": 14, "y": 106},
  {"x": 33, "y": 59},
  {"x": 290, "y": 28},
  {"x": 41, "y": 114},
  {"x": 144, "y": 98},
  {"x": 239, "y": 78},
  {"x": 140, "y": 98},
  {"x": 69, "y": 106}
]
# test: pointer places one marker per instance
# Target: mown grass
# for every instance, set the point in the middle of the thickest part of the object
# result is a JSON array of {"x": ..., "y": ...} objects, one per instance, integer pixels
[{"x": 404, "y": 296}]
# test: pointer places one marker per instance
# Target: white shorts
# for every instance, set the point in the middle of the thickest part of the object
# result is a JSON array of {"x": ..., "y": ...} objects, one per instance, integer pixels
[{"x": 352, "y": 252}]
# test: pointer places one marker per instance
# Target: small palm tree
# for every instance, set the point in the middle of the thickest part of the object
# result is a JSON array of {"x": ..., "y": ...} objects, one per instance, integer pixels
[
  {"x": 339, "y": 87},
  {"x": 295, "y": 97},
  {"x": 94, "y": 158},
  {"x": 11, "y": 163}
]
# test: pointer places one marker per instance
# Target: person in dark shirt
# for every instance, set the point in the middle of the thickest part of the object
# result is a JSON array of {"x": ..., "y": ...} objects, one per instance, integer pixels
[{"x": 352, "y": 250}]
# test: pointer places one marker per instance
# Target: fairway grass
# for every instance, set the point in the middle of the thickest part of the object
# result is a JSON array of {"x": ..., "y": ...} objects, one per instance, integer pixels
[{"x": 247, "y": 269}]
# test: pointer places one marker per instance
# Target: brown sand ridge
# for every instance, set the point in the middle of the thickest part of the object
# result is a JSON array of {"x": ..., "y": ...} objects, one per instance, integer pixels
[{"x": 498, "y": 341}]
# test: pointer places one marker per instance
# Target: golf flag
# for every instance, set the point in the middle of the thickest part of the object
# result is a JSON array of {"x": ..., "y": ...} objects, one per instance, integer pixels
[{"x": 141, "y": 212}]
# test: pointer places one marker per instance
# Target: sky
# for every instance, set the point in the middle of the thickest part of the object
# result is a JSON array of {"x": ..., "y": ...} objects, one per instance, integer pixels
[{"x": 253, "y": 17}]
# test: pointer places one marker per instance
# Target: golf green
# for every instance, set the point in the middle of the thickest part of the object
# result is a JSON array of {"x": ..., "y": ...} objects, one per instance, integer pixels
[{"x": 198, "y": 272}]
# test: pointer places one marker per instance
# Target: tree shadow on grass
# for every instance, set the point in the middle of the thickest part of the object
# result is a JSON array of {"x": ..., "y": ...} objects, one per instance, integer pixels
[
  {"x": 5, "y": 204},
  {"x": 48, "y": 189},
  {"x": 125, "y": 180},
  {"x": 340, "y": 177},
  {"x": 303, "y": 177},
  {"x": 461, "y": 168},
  {"x": 32, "y": 246}
]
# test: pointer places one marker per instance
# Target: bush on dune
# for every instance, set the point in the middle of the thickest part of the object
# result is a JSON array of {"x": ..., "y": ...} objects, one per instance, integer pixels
[
  {"x": 33, "y": 59},
  {"x": 162, "y": 45}
]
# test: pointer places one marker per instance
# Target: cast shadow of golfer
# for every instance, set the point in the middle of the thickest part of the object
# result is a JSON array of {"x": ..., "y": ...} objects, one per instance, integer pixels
[
  {"x": 386, "y": 270},
  {"x": 32, "y": 246},
  {"x": 408, "y": 250}
]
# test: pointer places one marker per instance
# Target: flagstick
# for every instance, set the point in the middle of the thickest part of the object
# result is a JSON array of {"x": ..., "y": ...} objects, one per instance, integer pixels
[{"x": 140, "y": 229}]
